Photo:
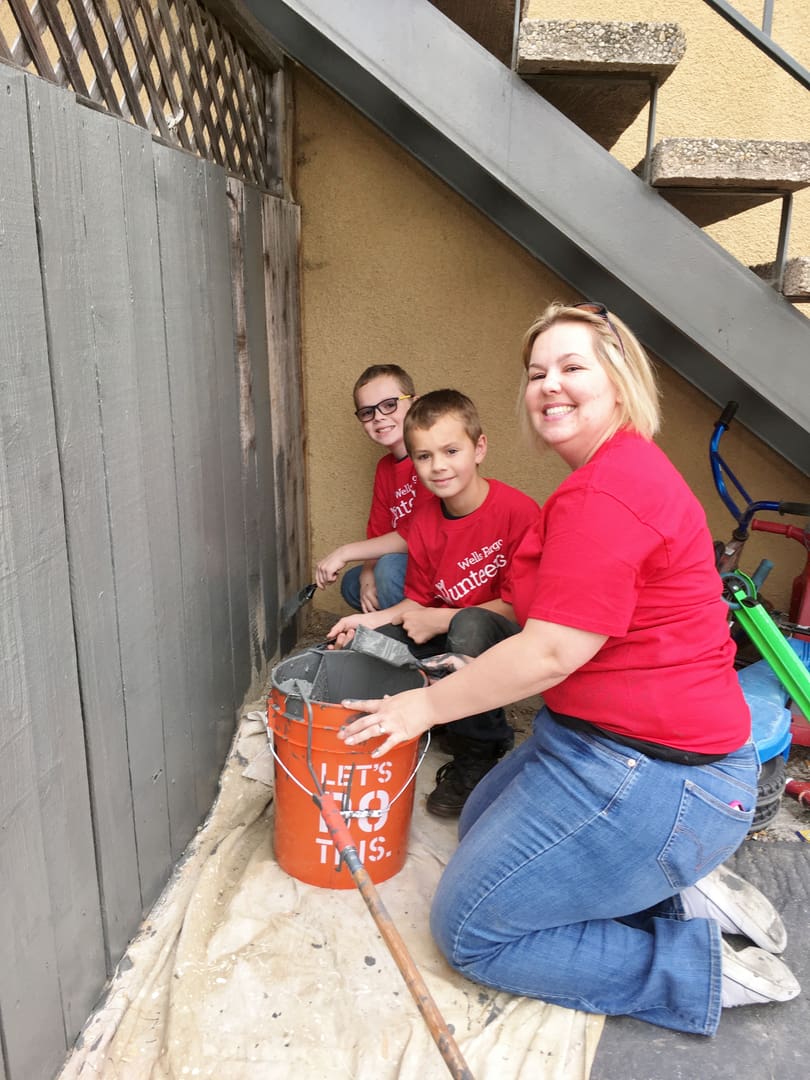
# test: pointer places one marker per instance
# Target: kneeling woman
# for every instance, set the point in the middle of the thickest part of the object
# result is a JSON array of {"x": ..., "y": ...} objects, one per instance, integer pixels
[{"x": 583, "y": 875}]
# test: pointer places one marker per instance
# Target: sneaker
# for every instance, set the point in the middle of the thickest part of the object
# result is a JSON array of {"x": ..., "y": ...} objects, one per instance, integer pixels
[
  {"x": 738, "y": 907},
  {"x": 455, "y": 780},
  {"x": 754, "y": 977}
]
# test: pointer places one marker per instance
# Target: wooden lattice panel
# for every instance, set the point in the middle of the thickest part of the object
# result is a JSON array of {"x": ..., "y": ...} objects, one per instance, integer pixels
[{"x": 166, "y": 65}]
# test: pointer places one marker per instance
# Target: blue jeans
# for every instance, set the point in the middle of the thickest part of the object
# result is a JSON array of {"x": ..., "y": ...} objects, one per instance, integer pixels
[
  {"x": 389, "y": 577},
  {"x": 565, "y": 884}
]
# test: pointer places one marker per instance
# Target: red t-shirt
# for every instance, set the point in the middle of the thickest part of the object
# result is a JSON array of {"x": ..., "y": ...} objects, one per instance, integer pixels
[
  {"x": 397, "y": 493},
  {"x": 463, "y": 562},
  {"x": 622, "y": 548}
]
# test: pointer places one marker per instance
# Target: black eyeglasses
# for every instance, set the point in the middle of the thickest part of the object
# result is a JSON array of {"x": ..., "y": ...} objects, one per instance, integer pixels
[
  {"x": 602, "y": 312},
  {"x": 384, "y": 408}
]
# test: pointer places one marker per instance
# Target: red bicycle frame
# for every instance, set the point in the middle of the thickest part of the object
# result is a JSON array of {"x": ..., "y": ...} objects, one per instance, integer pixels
[{"x": 799, "y": 612}]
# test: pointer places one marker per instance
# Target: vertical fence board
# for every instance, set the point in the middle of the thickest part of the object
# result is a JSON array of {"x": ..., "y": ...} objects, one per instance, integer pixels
[
  {"x": 247, "y": 428},
  {"x": 227, "y": 412},
  {"x": 88, "y": 528},
  {"x": 281, "y": 229},
  {"x": 265, "y": 493},
  {"x": 157, "y": 456},
  {"x": 258, "y": 495},
  {"x": 180, "y": 257},
  {"x": 183, "y": 252},
  {"x": 38, "y": 693},
  {"x": 71, "y": 857},
  {"x": 116, "y": 362},
  {"x": 216, "y": 726}
]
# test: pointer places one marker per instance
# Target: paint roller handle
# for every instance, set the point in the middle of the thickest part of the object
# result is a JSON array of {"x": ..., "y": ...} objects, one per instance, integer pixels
[
  {"x": 442, "y": 1036},
  {"x": 338, "y": 829}
]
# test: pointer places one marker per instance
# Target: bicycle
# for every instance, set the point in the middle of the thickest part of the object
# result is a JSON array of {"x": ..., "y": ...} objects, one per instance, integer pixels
[
  {"x": 727, "y": 555},
  {"x": 764, "y": 689}
]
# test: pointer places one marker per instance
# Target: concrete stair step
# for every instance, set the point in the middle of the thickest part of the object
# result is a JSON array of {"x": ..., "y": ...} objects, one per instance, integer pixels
[
  {"x": 713, "y": 179},
  {"x": 796, "y": 279},
  {"x": 599, "y": 74}
]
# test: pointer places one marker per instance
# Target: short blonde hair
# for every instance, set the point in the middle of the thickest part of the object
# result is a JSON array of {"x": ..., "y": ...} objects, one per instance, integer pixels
[{"x": 619, "y": 352}]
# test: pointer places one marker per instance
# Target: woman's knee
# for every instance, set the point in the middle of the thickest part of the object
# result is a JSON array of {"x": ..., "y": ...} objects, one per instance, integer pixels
[
  {"x": 446, "y": 924},
  {"x": 453, "y": 927}
]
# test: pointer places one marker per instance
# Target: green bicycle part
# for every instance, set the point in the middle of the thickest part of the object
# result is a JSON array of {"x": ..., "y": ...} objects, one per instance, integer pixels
[{"x": 765, "y": 634}]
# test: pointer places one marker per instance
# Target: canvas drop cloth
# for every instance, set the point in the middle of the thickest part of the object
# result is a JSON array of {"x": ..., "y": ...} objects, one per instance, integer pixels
[{"x": 243, "y": 973}]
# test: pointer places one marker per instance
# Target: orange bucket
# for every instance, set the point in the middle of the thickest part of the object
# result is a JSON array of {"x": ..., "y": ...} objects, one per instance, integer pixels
[{"x": 375, "y": 794}]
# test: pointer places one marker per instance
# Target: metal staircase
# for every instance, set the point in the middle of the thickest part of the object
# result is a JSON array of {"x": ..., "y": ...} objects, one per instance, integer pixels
[
  {"x": 602, "y": 75},
  {"x": 561, "y": 195}
]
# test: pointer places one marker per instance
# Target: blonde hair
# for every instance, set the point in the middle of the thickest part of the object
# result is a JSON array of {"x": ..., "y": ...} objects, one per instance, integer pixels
[{"x": 619, "y": 352}]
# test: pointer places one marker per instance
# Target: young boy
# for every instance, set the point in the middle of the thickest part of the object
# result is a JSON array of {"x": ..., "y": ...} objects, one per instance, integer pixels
[
  {"x": 383, "y": 394},
  {"x": 460, "y": 550}
]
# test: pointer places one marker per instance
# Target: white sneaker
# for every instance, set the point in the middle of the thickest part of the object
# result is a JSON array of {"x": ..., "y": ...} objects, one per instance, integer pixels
[
  {"x": 738, "y": 907},
  {"x": 754, "y": 977}
]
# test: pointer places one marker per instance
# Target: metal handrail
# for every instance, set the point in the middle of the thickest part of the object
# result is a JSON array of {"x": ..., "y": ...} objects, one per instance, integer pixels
[{"x": 762, "y": 40}]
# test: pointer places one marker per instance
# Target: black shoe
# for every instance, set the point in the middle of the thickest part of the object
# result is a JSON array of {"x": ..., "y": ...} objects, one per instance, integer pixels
[{"x": 457, "y": 778}]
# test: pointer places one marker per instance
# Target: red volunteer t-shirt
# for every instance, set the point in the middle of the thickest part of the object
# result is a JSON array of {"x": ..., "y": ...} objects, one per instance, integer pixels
[
  {"x": 463, "y": 562},
  {"x": 622, "y": 548},
  {"x": 397, "y": 493}
]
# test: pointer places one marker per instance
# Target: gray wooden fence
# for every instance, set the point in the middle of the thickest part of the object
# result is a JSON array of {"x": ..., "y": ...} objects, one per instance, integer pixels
[{"x": 151, "y": 515}]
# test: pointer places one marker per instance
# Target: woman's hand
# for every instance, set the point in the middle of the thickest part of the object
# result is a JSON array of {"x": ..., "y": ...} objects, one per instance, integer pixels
[{"x": 402, "y": 718}]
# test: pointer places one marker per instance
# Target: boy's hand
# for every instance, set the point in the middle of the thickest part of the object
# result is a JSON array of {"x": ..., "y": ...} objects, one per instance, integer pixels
[
  {"x": 369, "y": 601},
  {"x": 328, "y": 568},
  {"x": 436, "y": 667},
  {"x": 343, "y": 630},
  {"x": 423, "y": 623}
]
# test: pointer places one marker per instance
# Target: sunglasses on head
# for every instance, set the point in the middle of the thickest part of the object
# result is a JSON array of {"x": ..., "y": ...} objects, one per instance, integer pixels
[
  {"x": 602, "y": 312},
  {"x": 384, "y": 408}
]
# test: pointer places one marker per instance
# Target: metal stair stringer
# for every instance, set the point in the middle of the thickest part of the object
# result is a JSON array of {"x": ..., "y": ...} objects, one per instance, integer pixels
[{"x": 475, "y": 124}]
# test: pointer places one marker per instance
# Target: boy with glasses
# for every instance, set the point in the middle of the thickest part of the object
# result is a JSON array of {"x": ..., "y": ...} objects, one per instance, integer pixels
[{"x": 382, "y": 396}]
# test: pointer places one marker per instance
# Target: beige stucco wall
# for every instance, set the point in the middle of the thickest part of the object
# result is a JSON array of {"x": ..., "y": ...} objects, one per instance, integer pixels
[
  {"x": 725, "y": 87},
  {"x": 397, "y": 267}
]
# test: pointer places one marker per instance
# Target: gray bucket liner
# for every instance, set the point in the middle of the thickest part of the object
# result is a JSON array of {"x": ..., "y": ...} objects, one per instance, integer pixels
[{"x": 332, "y": 675}]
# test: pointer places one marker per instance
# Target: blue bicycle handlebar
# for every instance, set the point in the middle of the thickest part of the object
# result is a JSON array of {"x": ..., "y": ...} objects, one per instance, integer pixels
[{"x": 721, "y": 470}]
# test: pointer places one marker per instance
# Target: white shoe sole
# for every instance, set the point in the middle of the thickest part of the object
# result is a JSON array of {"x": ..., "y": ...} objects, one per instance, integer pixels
[
  {"x": 746, "y": 907},
  {"x": 755, "y": 977}
]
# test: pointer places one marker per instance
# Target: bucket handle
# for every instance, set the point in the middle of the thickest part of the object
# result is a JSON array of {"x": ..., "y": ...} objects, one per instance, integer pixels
[{"x": 345, "y": 813}]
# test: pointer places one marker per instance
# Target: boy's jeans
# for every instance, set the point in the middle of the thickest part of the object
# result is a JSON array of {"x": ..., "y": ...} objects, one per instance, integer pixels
[
  {"x": 564, "y": 886},
  {"x": 389, "y": 577}
]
